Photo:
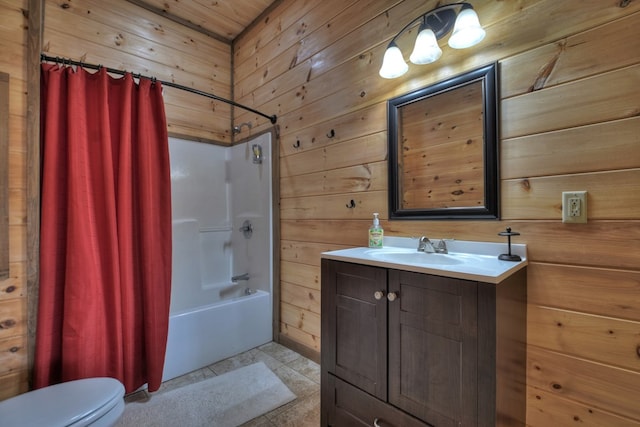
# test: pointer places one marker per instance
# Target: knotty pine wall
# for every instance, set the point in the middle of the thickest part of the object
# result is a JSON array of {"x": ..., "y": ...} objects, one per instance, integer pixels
[
  {"x": 570, "y": 120},
  {"x": 124, "y": 36},
  {"x": 13, "y": 301}
]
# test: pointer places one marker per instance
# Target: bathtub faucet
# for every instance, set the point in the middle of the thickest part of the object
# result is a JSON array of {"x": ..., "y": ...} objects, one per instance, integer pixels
[{"x": 244, "y": 276}]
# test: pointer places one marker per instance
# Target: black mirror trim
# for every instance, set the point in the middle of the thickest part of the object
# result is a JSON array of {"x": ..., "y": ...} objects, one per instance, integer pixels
[{"x": 488, "y": 75}]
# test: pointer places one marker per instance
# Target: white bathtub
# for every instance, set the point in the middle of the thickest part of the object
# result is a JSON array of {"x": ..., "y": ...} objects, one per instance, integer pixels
[
  {"x": 208, "y": 334},
  {"x": 215, "y": 191}
]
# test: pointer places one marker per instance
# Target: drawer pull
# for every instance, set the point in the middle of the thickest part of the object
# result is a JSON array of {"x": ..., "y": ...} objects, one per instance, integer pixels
[
  {"x": 375, "y": 423},
  {"x": 392, "y": 296},
  {"x": 378, "y": 295}
]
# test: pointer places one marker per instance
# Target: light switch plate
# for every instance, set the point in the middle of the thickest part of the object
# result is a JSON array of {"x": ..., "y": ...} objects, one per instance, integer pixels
[{"x": 574, "y": 207}]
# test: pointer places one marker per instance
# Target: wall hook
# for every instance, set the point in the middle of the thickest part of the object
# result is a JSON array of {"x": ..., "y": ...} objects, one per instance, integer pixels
[
  {"x": 331, "y": 134},
  {"x": 297, "y": 144},
  {"x": 352, "y": 204}
]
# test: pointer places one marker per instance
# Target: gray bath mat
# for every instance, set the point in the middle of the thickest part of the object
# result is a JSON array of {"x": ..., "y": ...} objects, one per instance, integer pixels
[{"x": 227, "y": 400}]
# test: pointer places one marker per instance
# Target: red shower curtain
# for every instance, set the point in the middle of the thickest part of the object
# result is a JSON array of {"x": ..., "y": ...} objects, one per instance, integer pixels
[{"x": 105, "y": 242}]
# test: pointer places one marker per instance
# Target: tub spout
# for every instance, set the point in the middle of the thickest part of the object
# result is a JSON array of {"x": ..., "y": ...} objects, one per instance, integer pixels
[{"x": 244, "y": 276}]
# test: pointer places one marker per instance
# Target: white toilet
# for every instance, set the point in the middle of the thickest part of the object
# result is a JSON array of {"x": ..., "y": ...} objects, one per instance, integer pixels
[{"x": 96, "y": 402}]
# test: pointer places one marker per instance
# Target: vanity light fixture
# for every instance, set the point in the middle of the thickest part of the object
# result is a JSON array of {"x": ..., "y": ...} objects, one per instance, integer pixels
[{"x": 434, "y": 25}]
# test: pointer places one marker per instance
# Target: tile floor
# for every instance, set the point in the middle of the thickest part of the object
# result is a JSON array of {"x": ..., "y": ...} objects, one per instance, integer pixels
[{"x": 300, "y": 374}]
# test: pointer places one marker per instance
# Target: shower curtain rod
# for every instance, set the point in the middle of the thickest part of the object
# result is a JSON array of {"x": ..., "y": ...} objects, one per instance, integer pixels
[{"x": 66, "y": 61}]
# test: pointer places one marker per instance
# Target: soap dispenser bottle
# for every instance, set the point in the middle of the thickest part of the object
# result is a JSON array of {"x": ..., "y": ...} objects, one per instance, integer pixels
[{"x": 375, "y": 233}]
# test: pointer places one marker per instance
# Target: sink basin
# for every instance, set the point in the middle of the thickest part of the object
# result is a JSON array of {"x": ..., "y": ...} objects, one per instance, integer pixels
[{"x": 412, "y": 256}]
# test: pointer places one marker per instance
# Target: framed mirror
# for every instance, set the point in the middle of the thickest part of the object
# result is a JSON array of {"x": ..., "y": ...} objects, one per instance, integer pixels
[{"x": 443, "y": 149}]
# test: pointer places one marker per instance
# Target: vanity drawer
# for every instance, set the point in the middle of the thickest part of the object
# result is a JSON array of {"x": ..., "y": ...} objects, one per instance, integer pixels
[{"x": 353, "y": 407}]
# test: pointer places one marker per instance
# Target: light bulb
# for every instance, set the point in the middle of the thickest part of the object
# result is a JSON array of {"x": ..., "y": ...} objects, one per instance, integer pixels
[
  {"x": 426, "y": 49},
  {"x": 393, "y": 64},
  {"x": 467, "y": 31}
]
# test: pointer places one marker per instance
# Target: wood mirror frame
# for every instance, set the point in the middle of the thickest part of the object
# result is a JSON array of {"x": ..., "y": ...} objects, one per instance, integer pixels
[
  {"x": 4, "y": 176},
  {"x": 443, "y": 149}
]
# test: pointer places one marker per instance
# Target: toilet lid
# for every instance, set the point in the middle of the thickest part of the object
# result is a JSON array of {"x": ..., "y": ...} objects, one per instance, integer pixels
[{"x": 64, "y": 404}]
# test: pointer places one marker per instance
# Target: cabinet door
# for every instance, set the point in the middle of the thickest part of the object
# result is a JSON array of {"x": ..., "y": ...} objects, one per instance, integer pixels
[
  {"x": 433, "y": 348},
  {"x": 354, "y": 325}
]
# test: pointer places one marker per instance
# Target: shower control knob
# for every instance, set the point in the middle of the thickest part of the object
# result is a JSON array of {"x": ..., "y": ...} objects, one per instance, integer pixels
[
  {"x": 392, "y": 296},
  {"x": 247, "y": 229},
  {"x": 378, "y": 295}
]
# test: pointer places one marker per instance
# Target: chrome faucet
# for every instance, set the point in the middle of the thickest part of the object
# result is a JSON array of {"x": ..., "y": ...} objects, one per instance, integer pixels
[
  {"x": 426, "y": 245},
  {"x": 441, "y": 247},
  {"x": 244, "y": 276}
]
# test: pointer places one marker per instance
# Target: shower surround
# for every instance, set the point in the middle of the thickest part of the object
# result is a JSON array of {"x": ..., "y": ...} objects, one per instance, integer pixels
[{"x": 222, "y": 229}]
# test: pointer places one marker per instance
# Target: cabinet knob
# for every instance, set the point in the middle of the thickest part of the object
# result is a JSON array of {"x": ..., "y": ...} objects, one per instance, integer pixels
[
  {"x": 378, "y": 295},
  {"x": 392, "y": 296}
]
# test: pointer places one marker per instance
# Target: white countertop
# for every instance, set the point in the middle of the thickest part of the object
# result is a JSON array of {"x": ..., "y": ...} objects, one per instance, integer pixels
[{"x": 468, "y": 260}]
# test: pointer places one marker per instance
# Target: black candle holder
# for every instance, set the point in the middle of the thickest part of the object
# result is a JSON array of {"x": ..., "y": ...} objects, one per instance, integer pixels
[{"x": 509, "y": 256}]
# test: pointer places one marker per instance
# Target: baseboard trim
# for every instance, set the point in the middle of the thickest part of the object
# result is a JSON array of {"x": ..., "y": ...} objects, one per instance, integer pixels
[{"x": 299, "y": 348}]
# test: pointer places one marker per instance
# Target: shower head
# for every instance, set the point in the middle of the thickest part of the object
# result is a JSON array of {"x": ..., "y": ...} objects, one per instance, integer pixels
[{"x": 237, "y": 129}]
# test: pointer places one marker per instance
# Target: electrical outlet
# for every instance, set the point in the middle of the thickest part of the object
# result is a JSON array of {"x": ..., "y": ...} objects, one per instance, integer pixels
[{"x": 574, "y": 207}]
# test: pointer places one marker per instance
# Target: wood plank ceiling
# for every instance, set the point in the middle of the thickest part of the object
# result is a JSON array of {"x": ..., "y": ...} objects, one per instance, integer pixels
[{"x": 222, "y": 19}]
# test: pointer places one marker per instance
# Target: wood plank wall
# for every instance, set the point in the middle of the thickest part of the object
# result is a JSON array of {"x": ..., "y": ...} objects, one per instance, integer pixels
[
  {"x": 130, "y": 38},
  {"x": 13, "y": 301},
  {"x": 569, "y": 121},
  {"x": 570, "y": 102}
]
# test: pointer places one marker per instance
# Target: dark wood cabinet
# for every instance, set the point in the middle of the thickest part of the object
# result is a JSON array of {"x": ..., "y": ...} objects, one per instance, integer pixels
[
  {"x": 433, "y": 347},
  {"x": 359, "y": 324},
  {"x": 410, "y": 349}
]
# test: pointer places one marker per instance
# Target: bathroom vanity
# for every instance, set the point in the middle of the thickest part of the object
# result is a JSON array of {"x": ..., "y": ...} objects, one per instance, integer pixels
[{"x": 418, "y": 339}]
